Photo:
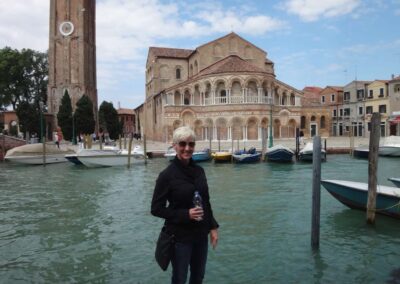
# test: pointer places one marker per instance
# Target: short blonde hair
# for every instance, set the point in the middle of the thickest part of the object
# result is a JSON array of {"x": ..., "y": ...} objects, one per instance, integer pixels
[{"x": 183, "y": 133}]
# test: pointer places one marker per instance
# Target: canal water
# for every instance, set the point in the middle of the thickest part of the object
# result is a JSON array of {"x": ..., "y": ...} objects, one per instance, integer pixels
[{"x": 69, "y": 224}]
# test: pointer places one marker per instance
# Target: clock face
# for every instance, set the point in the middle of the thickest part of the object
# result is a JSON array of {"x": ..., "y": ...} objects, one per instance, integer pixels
[{"x": 66, "y": 28}]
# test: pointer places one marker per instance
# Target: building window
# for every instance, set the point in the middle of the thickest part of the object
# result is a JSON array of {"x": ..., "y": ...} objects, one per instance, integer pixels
[
  {"x": 371, "y": 94},
  {"x": 332, "y": 97},
  {"x": 381, "y": 92},
  {"x": 334, "y": 113},
  {"x": 360, "y": 95},
  {"x": 382, "y": 108},
  {"x": 383, "y": 129},
  {"x": 178, "y": 73},
  {"x": 360, "y": 110},
  {"x": 346, "y": 112},
  {"x": 303, "y": 122},
  {"x": 322, "y": 124},
  {"x": 369, "y": 126},
  {"x": 340, "y": 112},
  {"x": 323, "y": 99},
  {"x": 369, "y": 109},
  {"x": 346, "y": 96}
]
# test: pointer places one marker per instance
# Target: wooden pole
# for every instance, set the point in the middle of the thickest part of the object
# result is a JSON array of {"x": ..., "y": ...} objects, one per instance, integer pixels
[
  {"x": 373, "y": 166},
  {"x": 351, "y": 141},
  {"x": 101, "y": 141},
  {"x": 120, "y": 142},
  {"x": 130, "y": 150},
  {"x": 326, "y": 152},
  {"x": 144, "y": 147},
  {"x": 209, "y": 136},
  {"x": 44, "y": 150},
  {"x": 316, "y": 193},
  {"x": 3, "y": 148},
  {"x": 263, "y": 143},
  {"x": 219, "y": 139},
  {"x": 125, "y": 140},
  {"x": 297, "y": 143}
]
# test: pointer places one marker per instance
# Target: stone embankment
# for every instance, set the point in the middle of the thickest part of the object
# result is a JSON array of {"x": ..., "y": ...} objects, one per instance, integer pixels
[{"x": 9, "y": 142}]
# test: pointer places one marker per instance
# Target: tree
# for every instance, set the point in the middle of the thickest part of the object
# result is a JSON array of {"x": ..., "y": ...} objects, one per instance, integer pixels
[
  {"x": 64, "y": 116},
  {"x": 23, "y": 77},
  {"x": 84, "y": 116},
  {"x": 108, "y": 119},
  {"x": 29, "y": 118}
]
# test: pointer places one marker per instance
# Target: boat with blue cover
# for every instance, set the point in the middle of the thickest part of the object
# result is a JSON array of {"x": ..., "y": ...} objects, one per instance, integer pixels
[
  {"x": 202, "y": 156},
  {"x": 243, "y": 156},
  {"x": 279, "y": 153}
]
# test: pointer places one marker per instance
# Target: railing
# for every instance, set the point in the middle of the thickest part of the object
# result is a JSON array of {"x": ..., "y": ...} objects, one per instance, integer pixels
[
  {"x": 266, "y": 100},
  {"x": 208, "y": 101},
  {"x": 220, "y": 100},
  {"x": 252, "y": 99},
  {"x": 236, "y": 99}
]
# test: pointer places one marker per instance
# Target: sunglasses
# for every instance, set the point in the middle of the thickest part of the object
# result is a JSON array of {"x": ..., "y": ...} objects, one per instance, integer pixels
[{"x": 184, "y": 143}]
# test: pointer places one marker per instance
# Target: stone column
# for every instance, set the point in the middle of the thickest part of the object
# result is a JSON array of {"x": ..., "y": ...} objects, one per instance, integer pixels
[
  {"x": 260, "y": 95},
  {"x": 259, "y": 133}
]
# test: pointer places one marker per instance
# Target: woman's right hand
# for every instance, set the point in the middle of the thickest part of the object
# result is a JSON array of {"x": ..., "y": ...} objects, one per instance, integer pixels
[{"x": 196, "y": 213}]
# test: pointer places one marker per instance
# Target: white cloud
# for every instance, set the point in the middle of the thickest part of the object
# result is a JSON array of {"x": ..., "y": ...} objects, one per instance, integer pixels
[
  {"x": 312, "y": 10},
  {"x": 24, "y": 24}
]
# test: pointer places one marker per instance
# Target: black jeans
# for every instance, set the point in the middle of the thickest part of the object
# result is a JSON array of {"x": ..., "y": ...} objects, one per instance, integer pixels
[{"x": 190, "y": 253}]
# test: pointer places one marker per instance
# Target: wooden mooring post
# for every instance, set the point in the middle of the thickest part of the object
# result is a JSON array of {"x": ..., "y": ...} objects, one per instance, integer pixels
[
  {"x": 44, "y": 149},
  {"x": 316, "y": 193},
  {"x": 263, "y": 144},
  {"x": 130, "y": 150},
  {"x": 373, "y": 166}
]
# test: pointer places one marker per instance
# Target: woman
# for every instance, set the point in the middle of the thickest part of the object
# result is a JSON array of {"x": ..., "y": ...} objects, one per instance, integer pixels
[{"x": 190, "y": 225}]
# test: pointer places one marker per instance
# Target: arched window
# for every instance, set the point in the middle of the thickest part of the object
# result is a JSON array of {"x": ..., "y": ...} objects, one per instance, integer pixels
[
  {"x": 322, "y": 124},
  {"x": 303, "y": 122},
  {"x": 178, "y": 73},
  {"x": 186, "y": 101}
]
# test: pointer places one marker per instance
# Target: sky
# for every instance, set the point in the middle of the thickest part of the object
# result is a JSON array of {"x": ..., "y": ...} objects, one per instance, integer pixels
[{"x": 311, "y": 42}]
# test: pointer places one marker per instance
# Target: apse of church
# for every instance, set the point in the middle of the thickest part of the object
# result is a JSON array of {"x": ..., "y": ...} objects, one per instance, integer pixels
[
  {"x": 225, "y": 89},
  {"x": 72, "y": 52}
]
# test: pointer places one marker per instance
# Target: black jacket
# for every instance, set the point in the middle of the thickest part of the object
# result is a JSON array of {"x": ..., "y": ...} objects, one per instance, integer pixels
[{"x": 173, "y": 197}]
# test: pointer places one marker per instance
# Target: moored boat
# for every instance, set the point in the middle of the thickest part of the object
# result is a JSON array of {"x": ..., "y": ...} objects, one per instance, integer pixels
[
  {"x": 306, "y": 154},
  {"x": 396, "y": 181},
  {"x": 32, "y": 154},
  {"x": 390, "y": 146},
  {"x": 361, "y": 152},
  {"x": 111, "y": 157},
  {"x": 201, "y": 156},
  {"x": 279, "y": 153},
  {"x": 170, "y": 154},
  {"x": 355, "y": 196},
  {"x": 222, "y": 156},
  {"x": 250, "y": 156}
]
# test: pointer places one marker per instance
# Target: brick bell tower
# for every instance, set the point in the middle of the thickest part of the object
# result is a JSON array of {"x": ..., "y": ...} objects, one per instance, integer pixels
[{"x": 72, "y": 52}]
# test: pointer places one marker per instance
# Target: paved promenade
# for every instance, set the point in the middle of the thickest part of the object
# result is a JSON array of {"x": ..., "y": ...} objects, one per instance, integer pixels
[{"x": 334, "y": 144}]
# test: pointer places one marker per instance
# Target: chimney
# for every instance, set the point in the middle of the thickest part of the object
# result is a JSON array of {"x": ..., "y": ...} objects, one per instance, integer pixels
[{"x": 119, "y": 105}]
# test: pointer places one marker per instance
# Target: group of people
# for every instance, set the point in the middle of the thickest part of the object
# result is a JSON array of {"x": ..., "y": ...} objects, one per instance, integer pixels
[{"x": 173, "y": 200}]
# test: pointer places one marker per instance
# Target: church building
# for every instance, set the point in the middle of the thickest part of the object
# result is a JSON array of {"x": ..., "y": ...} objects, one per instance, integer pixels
[{"x": 225, "y": 89}]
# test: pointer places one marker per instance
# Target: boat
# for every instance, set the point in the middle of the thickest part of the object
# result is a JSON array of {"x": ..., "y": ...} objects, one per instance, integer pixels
[
  {"x": 32, "y": 154},
  {"x": 390, "y": 146},
  {"x": 222, "y": 156},
  {"x": 73, "y": 158},
  {"x": 201, "y": 156},
  {"x": 243, "y": 156},
  {"x": 110, "y": 157},
  {"x": 361, "y": 152},
  {"x": 355, "y": 195},
  {"x": 396, "y": 181},
  {"x": 306, "y": 154},
  {"x": 279, "y": 153},
  {"x": 170, "y": 154}
]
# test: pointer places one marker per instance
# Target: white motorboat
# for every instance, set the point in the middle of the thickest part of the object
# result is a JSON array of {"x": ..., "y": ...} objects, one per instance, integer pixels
[
  {"x": 110, "y": 157},
  {"x": 170, "y": 154},
  {"x": 32, "y": 154},
  {"x": 390, "y": 146},
  {"x": 306, "y": 154}
]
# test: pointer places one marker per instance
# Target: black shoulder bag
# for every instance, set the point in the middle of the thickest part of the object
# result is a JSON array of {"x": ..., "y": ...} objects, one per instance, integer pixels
[{"x": 164, "y": 248}]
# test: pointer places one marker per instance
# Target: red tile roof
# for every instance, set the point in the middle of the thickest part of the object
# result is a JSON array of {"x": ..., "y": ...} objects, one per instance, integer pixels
[
  {"x": 230, "y": 64},
  {"x": 125, "y": 111},
  {"x": 170, "y": 52}
]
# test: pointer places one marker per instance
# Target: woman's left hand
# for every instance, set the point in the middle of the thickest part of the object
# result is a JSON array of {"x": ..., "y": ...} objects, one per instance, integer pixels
[{"x": 214, "y": 238}]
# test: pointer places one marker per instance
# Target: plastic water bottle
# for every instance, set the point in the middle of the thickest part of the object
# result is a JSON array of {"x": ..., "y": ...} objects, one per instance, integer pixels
[{"x": 198, "y": 203}]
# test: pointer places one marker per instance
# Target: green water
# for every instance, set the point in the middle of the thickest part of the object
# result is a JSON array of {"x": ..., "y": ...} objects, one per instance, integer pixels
[{"x": 68, "y": 224}]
